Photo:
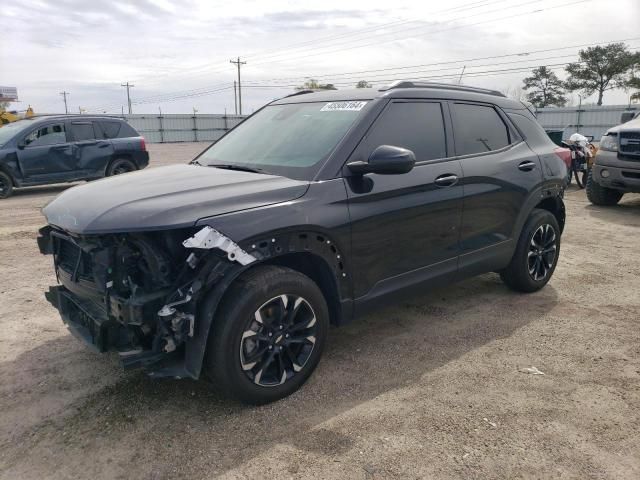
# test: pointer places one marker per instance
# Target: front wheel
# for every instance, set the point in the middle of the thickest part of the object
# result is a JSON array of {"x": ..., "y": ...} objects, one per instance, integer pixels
[
  {"x": 536, "y": 254},
  {"x": 268, "y": 335},
  {"x": 6, "y": 185},
  {"x": 599, "y": 195}
]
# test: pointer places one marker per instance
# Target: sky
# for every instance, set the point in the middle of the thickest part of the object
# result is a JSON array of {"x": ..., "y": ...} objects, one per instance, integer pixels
[{"x": 177, "y": 53}]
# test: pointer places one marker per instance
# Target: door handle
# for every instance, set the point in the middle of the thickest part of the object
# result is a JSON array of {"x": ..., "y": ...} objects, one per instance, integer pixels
[
  {"x": 446, "y": 180},
  {"x": 527, "y": 166}
]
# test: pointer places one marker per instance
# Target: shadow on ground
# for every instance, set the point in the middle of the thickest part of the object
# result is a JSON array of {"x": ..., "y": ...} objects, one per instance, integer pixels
[{"x": 136, "y": 424}]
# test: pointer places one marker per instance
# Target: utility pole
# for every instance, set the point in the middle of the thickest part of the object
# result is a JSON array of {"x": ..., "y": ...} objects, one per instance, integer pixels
[
  {"x": 64, "y": 96},
  {"x": 461, "y": 73},
  {"x": 235, "y": 98},
  {"x": 128, "y": 85},
  {"x": 238, "y": 63}
]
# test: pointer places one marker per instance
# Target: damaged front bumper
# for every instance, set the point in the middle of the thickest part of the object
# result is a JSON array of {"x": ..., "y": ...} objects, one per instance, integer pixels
[{"x": 104, "y": 300}]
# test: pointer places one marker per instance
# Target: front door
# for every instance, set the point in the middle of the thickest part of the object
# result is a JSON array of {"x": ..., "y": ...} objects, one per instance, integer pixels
[
  {"x": 91, "y": 151},
  {"x": 405, "y": 227},
  {"x": 46, "y": 153}
]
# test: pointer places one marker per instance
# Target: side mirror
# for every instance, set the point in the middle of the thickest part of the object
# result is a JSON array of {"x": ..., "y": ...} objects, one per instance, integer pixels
[
  {"x": 21, "y": 144},
  {"x": 385, "y": 160}
]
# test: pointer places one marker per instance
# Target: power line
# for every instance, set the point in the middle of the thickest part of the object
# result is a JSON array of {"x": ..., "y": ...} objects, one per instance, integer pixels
[
  {"x": 368, "y": 30},
  {"x": 171, "y": 96},
  {"x": 457, "y": 27},
  {"x": 296, "y": 46}
]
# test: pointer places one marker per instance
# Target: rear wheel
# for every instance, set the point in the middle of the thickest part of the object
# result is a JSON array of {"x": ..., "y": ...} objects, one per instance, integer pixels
[
  {"x": 599, "y": 195},
  {"x": 268, "y": 335},
  {"x": 6, "y": 185},
  {"x": 120, "y": 166},
  {"x": 536, "y": 254}
]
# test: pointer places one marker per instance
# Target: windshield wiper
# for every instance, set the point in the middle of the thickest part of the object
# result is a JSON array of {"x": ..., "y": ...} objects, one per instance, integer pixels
[
  {"x": 195, "y": 162},
  {"x": 241, "y": 168}
]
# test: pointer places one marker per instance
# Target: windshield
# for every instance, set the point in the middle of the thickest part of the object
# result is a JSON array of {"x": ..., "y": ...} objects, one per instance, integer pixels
[
  {"x": 8, "y": 131},
  {"x": 290, "y": 140}
]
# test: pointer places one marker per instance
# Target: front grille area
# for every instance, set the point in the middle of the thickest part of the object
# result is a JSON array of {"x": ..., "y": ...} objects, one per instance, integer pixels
[
  {"x": 629, "y": 143},
  {"x": 72, "y": 259}
]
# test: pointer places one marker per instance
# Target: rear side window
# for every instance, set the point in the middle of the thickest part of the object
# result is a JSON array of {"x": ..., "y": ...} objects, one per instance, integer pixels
[
  {"x": 82, "y": 131},
  {"x": 47, "y": 135},
  {"x": 417, "y": 126},
  {"x": 127, "y": 131},
  {"x": 478, "y": 129},
  {"x": 110, "y": 129}
]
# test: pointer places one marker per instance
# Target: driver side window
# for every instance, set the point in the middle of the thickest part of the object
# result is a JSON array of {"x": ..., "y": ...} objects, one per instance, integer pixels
[{"x": 46, "y": 135}]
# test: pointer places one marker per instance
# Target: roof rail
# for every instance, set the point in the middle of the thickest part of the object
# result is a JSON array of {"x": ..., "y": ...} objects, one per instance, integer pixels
[
  {"x": 443, "y": 86},
  {"x": 299, "y": 92}
]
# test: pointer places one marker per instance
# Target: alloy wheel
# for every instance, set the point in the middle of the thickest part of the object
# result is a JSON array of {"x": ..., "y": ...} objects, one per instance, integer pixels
[
  {"x": 122, "y": 168},
  {"x": 542, "y": 252},
  {"x": 278, "y": 340}
]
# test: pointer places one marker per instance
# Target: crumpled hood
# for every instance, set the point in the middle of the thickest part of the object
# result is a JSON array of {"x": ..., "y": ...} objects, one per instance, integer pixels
[{"x": 166, "y": 197}]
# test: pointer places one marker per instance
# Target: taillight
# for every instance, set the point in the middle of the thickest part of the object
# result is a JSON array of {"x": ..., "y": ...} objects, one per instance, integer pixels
[
  {"x": 564, "y": 154},
  {"x": 143, "y": 144}
]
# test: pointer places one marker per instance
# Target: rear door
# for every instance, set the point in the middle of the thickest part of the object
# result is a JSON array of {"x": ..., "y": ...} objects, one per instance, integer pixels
[
  {"x": 500, "y": 171},
  {"x": 405, "y": 227},
  {"x": 46, "y": 152},
  {"x": 92, "y": 151}
]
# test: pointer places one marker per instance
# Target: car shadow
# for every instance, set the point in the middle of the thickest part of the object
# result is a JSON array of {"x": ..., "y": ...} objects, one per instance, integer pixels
[
  {"x": 43, "y": 190},
  {"x": 627, "y": 212},
  {"x": 165, "y": 423}
]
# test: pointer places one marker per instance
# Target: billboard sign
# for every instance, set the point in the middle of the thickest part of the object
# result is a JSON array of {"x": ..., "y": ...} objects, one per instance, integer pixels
[{"x": 8, "y": 94}]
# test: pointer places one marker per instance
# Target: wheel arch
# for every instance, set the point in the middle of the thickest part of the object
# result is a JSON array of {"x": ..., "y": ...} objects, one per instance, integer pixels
[
  {"x": 311, "y": 253},
  {"x": 555, "y": 205},
  {"x": 119, "y": 156}
]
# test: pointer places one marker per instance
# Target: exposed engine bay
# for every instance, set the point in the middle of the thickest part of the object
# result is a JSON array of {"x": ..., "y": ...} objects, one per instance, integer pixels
[{"x": 137, "y": 293}]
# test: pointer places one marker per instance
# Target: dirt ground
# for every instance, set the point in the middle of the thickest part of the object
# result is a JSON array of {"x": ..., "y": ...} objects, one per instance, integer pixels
[{"x": 431, "y": 388}]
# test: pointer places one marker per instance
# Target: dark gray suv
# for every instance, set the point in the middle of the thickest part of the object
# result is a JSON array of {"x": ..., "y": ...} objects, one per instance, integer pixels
[
  {"x": 67, "y": 148},
  {"x": 317, "y": 208}
]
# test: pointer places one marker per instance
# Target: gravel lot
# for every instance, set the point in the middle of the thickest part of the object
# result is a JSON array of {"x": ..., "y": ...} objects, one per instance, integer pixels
[{"x": 428, "y": 389}]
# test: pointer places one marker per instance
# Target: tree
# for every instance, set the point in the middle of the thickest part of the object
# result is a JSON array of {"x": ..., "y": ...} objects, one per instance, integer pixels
[
  {"x": 312, "y": 84},
  {"x": 363, "y": 84},
  {"x": 545, "y": 88},
  {"x": 600, "y": 69},
  {"x": 633, "y": 82}
]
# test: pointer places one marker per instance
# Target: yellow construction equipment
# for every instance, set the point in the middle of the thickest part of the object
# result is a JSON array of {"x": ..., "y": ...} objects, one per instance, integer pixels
[{"x": 7, "y": 116}]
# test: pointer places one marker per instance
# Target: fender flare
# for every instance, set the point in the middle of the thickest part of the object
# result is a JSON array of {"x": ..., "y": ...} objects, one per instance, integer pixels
[{"x": 539, "y": 195}]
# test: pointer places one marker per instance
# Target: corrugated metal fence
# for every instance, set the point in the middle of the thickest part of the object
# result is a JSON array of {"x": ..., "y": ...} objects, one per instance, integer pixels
[
  {"x": 210, "y": 127},
  {"x": 585, "y": 120},
  {"x": 183, "y": 128}
]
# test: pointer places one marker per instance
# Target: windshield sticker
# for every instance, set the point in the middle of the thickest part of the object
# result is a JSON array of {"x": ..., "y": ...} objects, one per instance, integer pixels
[{"x": 343, "y": 106}]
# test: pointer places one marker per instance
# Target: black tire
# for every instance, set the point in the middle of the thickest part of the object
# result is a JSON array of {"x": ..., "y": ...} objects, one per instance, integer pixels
[
  {"x": 599, "y": 195},
  {"x": 6, "y": 185},
  {"x": 581, "y": 175},
  {"x": 120, "y": 166},
  {"x": 237, "y": 338},
  {"x": 533, "y": 251}
]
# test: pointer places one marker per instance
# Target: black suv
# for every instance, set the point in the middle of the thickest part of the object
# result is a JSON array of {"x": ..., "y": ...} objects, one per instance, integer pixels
[
  {"x": 67, "y": 148},
  {"x": 315, "y": 209}
]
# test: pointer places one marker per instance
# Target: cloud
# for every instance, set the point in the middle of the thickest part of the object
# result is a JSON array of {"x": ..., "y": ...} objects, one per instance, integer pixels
[{"x": 89, "y": 48}]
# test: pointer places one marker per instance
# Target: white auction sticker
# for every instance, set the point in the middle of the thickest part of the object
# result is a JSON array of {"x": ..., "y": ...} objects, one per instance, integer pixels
[{"x": 351, "y": 106}]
